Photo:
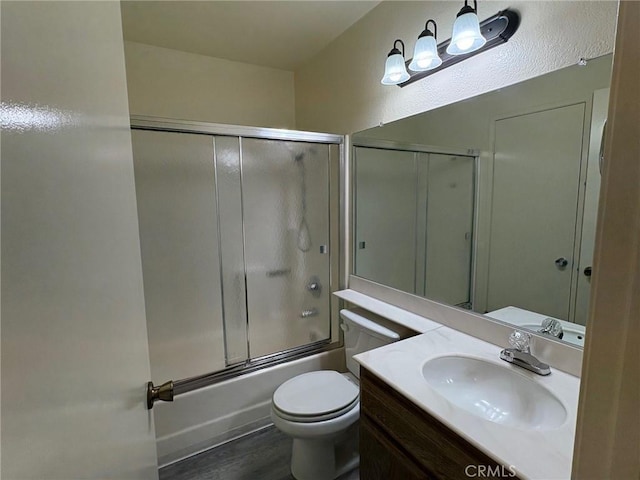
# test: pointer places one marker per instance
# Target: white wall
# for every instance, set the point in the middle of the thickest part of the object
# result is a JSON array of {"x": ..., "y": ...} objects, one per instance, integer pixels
[
  {"x": 74, "y": 341},
  {"x": 186, "y": 86},
  {"x": 339, "y": 90}
]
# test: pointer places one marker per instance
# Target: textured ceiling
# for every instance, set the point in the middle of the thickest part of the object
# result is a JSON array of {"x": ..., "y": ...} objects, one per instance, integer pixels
[{"x": 278, "y": 34}]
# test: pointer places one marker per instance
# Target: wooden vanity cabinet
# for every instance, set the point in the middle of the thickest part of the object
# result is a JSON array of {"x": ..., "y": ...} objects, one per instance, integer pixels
[{"x": 400, "y": 441}]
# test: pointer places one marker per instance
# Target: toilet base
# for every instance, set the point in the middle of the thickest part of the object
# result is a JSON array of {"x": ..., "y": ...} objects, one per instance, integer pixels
[{"x": 326, "y": 458}]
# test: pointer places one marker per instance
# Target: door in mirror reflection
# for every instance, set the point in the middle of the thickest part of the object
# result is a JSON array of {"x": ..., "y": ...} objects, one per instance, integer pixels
[{"x": 535, "y": 202}]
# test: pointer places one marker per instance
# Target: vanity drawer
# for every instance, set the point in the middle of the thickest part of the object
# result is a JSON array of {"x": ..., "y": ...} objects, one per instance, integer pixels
[{"x": 441, "y": 453}]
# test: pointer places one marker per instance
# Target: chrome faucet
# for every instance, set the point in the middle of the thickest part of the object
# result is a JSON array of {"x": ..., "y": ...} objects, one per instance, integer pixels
[
  {"x": 520, "y": 354},
  {"x": 552, "y": 327}
]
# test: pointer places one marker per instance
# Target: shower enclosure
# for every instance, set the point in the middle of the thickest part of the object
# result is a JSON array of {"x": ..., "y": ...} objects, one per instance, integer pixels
[
  {"x": 239, "y": 254},
  {"x": 414, "y": 217}
]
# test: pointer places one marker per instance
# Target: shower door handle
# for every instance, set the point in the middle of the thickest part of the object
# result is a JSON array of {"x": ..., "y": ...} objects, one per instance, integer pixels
[{"x": 561, "y": 262}]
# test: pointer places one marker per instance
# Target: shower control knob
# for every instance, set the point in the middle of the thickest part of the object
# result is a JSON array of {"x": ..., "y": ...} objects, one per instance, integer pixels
[{"x": 314, "y": 286}]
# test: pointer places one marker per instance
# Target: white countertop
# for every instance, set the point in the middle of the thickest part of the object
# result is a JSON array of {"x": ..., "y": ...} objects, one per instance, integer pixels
[
  {"x": 395, "y": 314},
  {"x": 535, "y": 454}
]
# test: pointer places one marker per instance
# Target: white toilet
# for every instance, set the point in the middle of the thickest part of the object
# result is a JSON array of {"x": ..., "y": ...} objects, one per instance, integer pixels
[{"x": 320, "y": 409}]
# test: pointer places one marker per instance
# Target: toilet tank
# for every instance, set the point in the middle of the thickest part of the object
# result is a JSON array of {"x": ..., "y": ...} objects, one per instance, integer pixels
[{"x": 365, "y": 331}]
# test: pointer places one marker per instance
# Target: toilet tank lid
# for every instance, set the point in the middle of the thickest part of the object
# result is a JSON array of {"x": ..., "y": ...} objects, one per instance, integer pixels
[{"x": 375, "y": 325}]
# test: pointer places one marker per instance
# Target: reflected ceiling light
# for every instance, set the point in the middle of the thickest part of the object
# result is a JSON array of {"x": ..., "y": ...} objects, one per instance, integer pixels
[
  {"x": 425, "y": 53},
  {"x": 466, "y": 36},
  {"x": 395, "y": 70}
]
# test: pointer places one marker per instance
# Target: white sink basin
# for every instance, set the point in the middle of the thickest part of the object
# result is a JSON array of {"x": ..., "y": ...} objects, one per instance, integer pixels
[{"x": 493, "y": 392}]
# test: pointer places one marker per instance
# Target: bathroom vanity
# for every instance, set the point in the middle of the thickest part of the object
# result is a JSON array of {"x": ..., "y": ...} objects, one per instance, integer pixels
[
  {"x": 442, "y": 405},
  {"x": 399, "y": 440}
]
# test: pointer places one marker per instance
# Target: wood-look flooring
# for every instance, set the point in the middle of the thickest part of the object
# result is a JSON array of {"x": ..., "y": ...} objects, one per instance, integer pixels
[{"x": 263, "y": 455}]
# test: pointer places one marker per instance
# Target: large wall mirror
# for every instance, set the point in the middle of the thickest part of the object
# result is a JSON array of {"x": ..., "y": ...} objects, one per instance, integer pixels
[{"x": 489, "y": 204}]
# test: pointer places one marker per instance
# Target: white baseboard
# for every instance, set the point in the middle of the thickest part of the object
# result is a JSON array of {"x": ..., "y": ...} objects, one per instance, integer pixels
[{"x": 210, "y": 437}]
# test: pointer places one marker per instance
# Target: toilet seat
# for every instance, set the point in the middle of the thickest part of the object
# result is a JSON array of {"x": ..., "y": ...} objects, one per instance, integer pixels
[{"x": 315, "y": 397}]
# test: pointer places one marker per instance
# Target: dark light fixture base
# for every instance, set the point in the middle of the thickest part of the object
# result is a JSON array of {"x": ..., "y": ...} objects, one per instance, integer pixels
[{"x": 497, "y": 29}]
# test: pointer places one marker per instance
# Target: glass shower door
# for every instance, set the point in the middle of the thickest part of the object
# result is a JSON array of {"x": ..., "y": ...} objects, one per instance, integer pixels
[
  {"x": 386, "y": 193},
  {"x": 285, "y": 205},
  {"x": 177, "y": 208},
  {"x": 449, "y": 228}
]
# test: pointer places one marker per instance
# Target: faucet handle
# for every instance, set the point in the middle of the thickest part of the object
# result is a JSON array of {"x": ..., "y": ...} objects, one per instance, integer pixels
[{"x": 520, "y": 341}]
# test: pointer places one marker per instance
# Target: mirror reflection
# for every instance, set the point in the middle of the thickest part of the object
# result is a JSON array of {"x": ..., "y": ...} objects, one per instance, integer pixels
[{"x": 490, "y": 204}]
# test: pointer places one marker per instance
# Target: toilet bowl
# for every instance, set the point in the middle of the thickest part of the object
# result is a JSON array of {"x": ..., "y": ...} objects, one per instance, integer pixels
[{"x": 320, "y": 409}]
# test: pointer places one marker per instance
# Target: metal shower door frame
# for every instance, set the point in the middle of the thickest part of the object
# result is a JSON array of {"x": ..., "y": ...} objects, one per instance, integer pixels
[{"x": 337, "y": 273}]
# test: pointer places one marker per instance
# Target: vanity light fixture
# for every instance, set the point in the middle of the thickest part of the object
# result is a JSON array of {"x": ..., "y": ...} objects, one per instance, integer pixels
[
  {"x": 425, "y": 53},
  {"x": 466, "y": 36},
  {"x": 395, "y": 70},
  {"x": 494, "y": 31}
]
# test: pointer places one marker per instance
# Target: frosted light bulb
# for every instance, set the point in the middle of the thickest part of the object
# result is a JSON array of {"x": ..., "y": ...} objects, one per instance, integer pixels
[{"x": 464, "y": 43}]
